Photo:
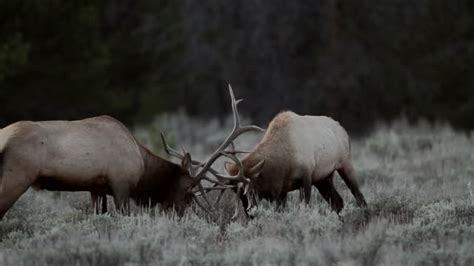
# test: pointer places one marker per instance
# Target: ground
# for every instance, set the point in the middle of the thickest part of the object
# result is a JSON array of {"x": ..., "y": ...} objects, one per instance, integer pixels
[{"x": 418, "y": 181}]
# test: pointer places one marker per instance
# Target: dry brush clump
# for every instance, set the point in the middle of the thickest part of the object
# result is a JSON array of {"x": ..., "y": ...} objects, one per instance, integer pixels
[{"x": 415, "y": 178}]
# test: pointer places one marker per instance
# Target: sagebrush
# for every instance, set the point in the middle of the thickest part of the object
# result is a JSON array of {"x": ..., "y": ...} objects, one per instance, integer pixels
[{"x": 418, "y": 181}]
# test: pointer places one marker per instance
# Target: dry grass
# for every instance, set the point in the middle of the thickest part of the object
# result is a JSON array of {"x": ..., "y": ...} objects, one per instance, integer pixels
[{"x": 418, "y": 182}]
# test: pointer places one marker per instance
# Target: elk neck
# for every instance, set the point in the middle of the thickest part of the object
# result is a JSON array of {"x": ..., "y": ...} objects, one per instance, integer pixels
[{"x": 160, "y": 180}]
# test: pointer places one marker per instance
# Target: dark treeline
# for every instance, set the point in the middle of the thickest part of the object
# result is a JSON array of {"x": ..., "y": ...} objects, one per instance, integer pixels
[{"x": 358, "y": 61}]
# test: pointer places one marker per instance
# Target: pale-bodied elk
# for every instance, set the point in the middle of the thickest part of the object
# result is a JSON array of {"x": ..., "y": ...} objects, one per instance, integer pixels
[
  {"x": 298, "y": 152},
  {"x": 99, "y": 155}
]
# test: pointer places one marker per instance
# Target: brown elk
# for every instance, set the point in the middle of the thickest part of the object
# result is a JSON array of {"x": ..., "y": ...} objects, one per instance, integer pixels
[
  {"x": 101, "y": 155},
  {"x": 299, "y": 152}
]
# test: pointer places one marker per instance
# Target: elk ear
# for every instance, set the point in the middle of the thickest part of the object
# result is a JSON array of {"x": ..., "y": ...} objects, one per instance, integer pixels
[
  {"x": 186, "y": 163},
  {"x": 256, "y": 169},
  {"x": 229, "y": 167}
]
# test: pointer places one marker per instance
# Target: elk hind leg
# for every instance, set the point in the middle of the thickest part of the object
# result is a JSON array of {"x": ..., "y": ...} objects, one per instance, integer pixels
[
  {"x": 347, "y": 174},
  {"x": 330, "y": 194}
]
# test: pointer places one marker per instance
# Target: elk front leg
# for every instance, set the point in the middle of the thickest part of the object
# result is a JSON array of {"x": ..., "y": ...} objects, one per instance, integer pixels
[
  {"x": 13, "y": 186},
  {"x": 307, "y": 189},
  {"x": 121, "y": 195}
]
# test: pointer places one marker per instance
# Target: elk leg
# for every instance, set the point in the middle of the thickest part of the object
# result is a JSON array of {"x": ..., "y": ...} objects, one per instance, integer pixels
[
  {"x": 95, "y": 199},
  {"x": 307, "y": 190},
  {"x": 329, "y": 193},
  {"x": 12, "y": 188},
  {"x": 347, "y": 174},
  {"x": 122, "y": 204},
  {"x": 301, "y": 191},
  {"x": 281, "y": 201},
  {"x": 104, "y": 203},
  {"x": 122, "y": 199}
]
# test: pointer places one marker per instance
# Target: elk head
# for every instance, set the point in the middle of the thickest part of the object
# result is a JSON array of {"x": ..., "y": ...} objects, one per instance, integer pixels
[
  {"x": 252, "y": 170},
  {"x": 200, "y": 171}
]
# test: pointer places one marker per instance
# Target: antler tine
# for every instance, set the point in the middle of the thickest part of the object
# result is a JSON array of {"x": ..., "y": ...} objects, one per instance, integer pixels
[
  {"x": 170, "y": 151},
  {"x": 240, "y": 175},
  {"x": 254, "y": 199},
  {"x": 233, "y": 150},
  {"x": 223, "y": 187},
  {"x": 236, "y": 131},
  {"x": 236, "y": 212},
  {"x": 214, "y": 181},
  {"x": 235, "y": 112},
  {"x": 237, "y": 152},
  {"x": 201, "y": 205},
  {"x": 175, "y": 153},
  {"x": 221, "y": 193},
  {"x": 204, "y": 195}
]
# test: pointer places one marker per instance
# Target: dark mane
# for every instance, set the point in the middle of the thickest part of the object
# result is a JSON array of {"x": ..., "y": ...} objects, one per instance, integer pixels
[{"x": 160, "y": 180}]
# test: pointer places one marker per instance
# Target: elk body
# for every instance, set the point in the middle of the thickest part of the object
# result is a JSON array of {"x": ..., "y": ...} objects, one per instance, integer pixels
[
  {"x": 100, "y": 155},
  {"x": 300, "y": 152}
]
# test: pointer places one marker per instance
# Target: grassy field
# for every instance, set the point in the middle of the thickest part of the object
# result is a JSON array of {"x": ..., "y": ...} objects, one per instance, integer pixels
[{"x": 418, "y": 181}]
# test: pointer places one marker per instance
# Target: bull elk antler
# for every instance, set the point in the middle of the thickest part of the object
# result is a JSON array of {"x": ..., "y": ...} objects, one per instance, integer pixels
[{"x": 199, "y": 170}]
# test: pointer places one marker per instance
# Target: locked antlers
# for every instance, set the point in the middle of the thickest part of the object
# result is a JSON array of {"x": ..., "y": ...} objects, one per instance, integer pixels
[{"x": 199, "y": 170}]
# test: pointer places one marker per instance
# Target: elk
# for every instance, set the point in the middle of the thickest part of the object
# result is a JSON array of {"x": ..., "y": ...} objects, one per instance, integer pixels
[
  {"x": 298, "y": 152},
  {"x": 100, "y": 155}
]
